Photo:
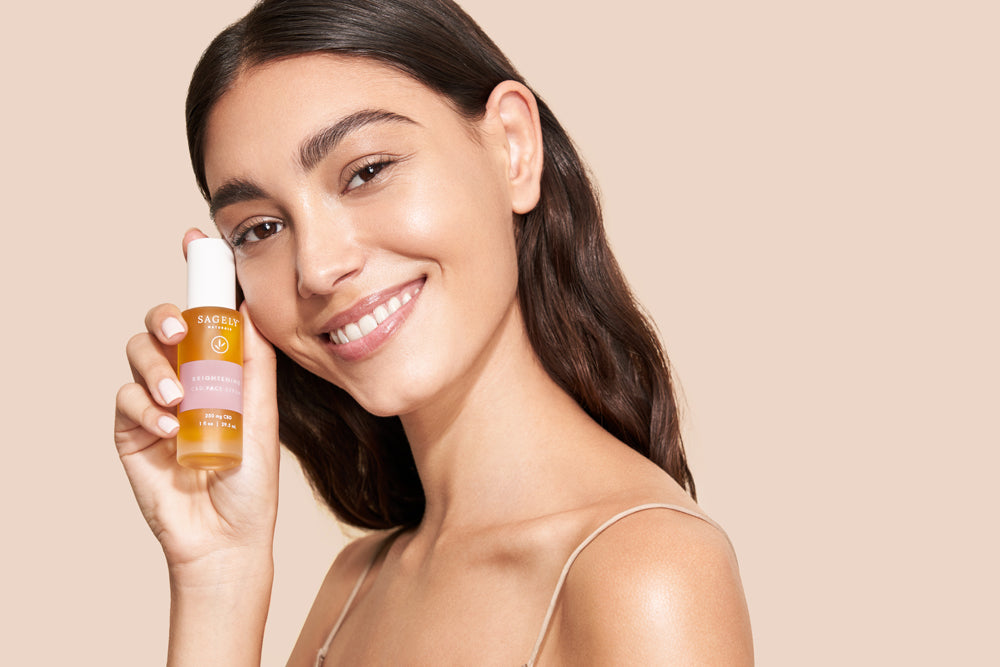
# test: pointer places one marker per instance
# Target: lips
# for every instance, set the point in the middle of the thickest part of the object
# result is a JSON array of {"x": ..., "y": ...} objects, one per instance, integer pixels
[{"x": 358, "y": 330}]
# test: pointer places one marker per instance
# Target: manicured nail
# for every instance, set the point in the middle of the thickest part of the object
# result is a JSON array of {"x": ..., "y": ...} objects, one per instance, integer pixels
[
  {"x": 171, "y": 327},
  {"x": 167, "y": 424},
  {"x": 169, "y": 390}
]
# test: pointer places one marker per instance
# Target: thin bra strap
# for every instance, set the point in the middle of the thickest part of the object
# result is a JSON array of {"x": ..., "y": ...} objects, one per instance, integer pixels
[
  {"x": 576, "y": 552},
  {"x": 321, "y": 656}
]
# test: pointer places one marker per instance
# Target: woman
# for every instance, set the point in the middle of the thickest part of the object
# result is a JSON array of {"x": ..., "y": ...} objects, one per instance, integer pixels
[{"x": 508, "y": 418}]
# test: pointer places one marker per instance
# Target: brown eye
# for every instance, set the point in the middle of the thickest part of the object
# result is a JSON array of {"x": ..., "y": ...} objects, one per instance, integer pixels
[
  {"x": 365, "y": 174},
  {"x": 255, "y": 232},
  {"x": 264, "y": 230}
]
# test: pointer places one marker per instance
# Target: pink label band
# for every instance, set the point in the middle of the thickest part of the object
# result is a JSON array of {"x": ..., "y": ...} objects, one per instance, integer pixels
[{"x": 211, "y": 384}]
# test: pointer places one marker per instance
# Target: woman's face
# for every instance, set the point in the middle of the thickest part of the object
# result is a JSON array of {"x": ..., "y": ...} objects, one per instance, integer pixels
[{"x": 372, "y": 225}]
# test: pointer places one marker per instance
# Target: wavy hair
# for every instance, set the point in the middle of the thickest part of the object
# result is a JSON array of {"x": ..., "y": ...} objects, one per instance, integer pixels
[{"x": 581, "y": 317}]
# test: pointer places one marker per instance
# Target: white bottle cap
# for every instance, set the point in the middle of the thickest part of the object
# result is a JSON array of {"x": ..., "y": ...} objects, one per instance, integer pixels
[{"x": 211, "y": 271}]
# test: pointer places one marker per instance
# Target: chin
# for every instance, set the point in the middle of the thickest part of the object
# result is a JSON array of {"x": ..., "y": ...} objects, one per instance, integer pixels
[
  {"x": 399, "y": 397},
  {"x": 383, "y": 409},
  {"x": 388, "y": 402},
  {"x": 389, "y": 408}
]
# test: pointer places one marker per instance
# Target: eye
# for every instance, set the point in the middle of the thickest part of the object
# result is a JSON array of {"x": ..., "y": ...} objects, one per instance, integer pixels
[
  {"x": 256, "y": 231},
  {"x": 367, "y": 172}
]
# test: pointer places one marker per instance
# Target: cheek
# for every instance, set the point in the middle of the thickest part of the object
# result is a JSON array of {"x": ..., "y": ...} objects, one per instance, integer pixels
[
  {"x": 484, "y": 233},
  {"x": 270, "y": 295},
  {"x": 462, "y": 210}
]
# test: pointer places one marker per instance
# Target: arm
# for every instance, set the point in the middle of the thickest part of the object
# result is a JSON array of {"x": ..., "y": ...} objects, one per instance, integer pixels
[
  {"x": 220, "y": 620},
  {"x": 216, "y": 528}
]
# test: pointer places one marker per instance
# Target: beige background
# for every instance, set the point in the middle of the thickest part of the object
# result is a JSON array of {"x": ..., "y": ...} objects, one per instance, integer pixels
[{"x": 804, "y": 195}]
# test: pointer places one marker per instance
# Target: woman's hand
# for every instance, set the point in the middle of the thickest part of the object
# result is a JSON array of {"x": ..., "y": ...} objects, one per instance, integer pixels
[{"x": 213, "y": 526}]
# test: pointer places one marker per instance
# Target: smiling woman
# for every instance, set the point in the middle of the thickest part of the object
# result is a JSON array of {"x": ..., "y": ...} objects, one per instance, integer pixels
[{"x": 439, "y": 332}]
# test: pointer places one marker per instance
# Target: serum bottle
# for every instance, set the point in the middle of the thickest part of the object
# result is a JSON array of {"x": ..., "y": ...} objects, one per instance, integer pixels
[{"x": 210, "y": 361}]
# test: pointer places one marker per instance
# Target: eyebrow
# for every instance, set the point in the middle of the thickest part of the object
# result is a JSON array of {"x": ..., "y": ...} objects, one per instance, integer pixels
[
  {"x": 318, "y": 146},
  {"x": 311, "y": 153},
  {"x": 234, "y": 192}
]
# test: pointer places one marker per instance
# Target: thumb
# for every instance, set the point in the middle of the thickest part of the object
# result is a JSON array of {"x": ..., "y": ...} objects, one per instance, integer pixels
[{"x": 260, "y": 405}]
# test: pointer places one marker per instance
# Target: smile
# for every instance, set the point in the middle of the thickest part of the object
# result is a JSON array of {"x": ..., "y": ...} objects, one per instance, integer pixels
[{"x": 380, "y": 311}]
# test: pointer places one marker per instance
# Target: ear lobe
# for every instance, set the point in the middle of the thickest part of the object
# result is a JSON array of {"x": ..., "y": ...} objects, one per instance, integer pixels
[{"x": 517, "y": 110}]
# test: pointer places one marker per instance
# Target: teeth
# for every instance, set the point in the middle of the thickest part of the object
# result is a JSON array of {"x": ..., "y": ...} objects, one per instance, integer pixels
[
  {"x": 353, "y": 332},
  {"x": 367, "y": 325},
  {"x": 370, "y": 322}
]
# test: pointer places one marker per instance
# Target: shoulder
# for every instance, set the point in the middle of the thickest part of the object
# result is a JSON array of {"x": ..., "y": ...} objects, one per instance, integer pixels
[
  {"x": 656, "y": 587},
  {"x": 350, "y": 563}
]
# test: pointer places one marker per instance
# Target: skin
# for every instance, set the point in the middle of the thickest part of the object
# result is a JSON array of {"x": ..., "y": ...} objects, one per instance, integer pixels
[{"x": 514, "y": 472}]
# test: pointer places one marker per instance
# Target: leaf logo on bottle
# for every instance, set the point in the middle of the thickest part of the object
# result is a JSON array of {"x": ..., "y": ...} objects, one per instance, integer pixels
[{"x": 220, "y": 345}]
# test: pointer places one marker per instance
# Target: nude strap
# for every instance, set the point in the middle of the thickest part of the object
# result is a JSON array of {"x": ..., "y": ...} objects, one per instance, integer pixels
[
  {"x": 576, "y": 552},
  {"x": 555, "y": 594},
  {"x": 321, "y": 656}
]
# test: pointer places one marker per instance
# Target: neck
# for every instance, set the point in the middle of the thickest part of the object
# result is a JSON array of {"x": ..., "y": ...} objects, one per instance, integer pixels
[{"x": 490, "y": 451}]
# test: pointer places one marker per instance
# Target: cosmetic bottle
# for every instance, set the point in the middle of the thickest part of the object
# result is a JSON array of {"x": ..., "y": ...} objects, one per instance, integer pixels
[{"x": 210, "y": 361}]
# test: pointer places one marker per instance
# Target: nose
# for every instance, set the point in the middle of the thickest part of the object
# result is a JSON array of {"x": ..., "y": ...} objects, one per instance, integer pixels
[{"x": 326, "y": 253}]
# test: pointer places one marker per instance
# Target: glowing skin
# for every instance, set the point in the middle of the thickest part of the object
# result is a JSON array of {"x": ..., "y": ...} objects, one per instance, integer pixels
[
  {"x": 408, "y": 203},
  {"x": 413, "y": 205}
]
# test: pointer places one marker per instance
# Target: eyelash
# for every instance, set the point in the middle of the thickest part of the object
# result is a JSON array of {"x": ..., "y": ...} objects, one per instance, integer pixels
[{"x": 378, "y": 164}]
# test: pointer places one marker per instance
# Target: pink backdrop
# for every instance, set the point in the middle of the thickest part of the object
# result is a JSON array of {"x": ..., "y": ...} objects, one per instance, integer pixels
[{"x": 803, "y": 194}]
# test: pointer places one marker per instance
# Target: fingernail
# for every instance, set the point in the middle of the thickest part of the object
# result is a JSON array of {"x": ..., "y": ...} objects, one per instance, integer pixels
[
  {"x": 169, "y": 390},
  {"x": 167, "y": 424},
  {"x": 171, "y": 327}
]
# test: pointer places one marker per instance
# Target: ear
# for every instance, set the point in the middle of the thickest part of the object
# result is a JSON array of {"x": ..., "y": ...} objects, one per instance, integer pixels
[{"x": 517, "y": 111}]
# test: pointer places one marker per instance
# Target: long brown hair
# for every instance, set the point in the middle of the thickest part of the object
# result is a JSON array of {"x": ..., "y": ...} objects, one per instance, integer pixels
[{"x": 580, "y": 314}]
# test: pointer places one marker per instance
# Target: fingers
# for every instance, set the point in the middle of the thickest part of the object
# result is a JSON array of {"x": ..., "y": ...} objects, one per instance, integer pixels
[
  {"x": 166, "y": 323},
  {"x": 152, "y": 367},
  {"x": 153, "y": 356},
  {"x": 142, "y": 407},
  {"x": 139, "y": 421}
]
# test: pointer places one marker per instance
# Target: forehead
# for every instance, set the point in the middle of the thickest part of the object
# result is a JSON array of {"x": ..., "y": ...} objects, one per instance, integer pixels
[
  {"x": 328, "y": 71},
  {"x": 274, "y": 105}
]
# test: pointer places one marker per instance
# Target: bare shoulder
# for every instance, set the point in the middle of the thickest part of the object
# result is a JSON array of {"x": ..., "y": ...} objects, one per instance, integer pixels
[
  {"x": 657, "y": 587},
  {"x": 340, "y": 579}
]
